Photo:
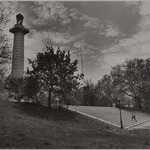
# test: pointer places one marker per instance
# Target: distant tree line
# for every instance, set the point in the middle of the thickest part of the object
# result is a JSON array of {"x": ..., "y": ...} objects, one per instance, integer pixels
[
  {"x": 54, "y": 74},
  {"x": 129, "y": 82}
]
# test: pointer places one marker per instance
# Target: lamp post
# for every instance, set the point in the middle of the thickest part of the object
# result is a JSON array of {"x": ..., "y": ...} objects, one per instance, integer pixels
[{"x": 121, "y": 123}]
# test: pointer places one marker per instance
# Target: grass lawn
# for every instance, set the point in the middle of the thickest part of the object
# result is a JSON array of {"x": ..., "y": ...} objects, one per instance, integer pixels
[{"x": 24, "y": 125}]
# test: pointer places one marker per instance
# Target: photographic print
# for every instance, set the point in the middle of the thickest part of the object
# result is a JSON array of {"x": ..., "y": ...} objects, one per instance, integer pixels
[{"x": 74, "y": 74}]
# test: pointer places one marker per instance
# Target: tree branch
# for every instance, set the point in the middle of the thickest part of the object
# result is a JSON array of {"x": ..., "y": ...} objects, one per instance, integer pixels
[{"x": 127, "y": 93}]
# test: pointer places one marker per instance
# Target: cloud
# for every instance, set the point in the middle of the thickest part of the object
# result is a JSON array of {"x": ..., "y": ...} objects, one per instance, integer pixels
[
  {"x": 137, "y": 46},
  {"x": 145, "y": 14},
  {"x": 50, "y": 13},
  {"x": 57, "y": 38},
  {"x": 110, "y": 32},
  {"x": 33, "y": 45},
  {"x": 91, "y": 22}
]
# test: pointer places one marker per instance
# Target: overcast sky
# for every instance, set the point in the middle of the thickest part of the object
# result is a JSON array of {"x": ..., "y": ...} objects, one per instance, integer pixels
[{"x": 109, "y": 32}]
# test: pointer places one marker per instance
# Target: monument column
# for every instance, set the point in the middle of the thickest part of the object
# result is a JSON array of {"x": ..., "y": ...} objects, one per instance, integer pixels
[{"x": 18, "y": 47}]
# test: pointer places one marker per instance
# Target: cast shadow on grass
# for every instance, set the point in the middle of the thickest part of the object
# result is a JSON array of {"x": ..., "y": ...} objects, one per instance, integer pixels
[{"x": 45, "y": 112}]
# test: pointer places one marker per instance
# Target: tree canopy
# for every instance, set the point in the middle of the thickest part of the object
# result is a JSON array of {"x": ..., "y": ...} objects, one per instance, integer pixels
[{"x": 55, "y": 72}]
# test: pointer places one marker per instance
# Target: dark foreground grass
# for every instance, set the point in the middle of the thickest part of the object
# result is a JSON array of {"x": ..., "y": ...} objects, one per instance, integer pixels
[{"x": 24, "y": 125}]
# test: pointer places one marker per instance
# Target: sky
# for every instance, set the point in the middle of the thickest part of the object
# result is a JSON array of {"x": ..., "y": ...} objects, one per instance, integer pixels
[{"x": 108, "y": 32}]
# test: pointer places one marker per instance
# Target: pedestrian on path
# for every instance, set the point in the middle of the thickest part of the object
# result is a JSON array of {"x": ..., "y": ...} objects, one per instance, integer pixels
[
  {"x": 133, "y": 117},
  {"x": 56, "y": 101}
]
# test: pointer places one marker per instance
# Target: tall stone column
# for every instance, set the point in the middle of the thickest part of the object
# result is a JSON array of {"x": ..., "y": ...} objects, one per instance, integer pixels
[{"x": 18, "y": 47}]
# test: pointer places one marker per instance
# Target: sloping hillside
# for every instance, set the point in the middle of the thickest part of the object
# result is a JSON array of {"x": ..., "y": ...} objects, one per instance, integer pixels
[{"x": 24, "y": 125}]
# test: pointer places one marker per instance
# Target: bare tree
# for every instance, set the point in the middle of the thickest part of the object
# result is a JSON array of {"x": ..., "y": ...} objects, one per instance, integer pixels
[{"x": 4, "y": 41}]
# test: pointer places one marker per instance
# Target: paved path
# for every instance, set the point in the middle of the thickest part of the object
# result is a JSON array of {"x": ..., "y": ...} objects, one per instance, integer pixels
[
  {"x": 111, "y": 116},
  {"x": 142, "y": 126}
]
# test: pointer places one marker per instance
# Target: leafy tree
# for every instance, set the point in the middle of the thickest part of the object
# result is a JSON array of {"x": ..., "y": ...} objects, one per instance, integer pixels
[
  {"x": 118, "y": 83},
  {"x": 89, "y": 94},
  {"x": 77, "y": 97},
  {"x": 130, "y": 77},
  {"x": 104, "y": 90},
  {"x": 55, "y": 72},
  {"x": 15, "y": 85},
  {"x": 31, "y": 87},
  {"x": 2, "y": 76},
  {"x": 68, "y": 80},
  {"x": 144, "y": 92}
]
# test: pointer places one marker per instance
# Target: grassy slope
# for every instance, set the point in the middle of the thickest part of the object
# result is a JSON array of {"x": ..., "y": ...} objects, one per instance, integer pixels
[{"x": 32, "y": 126}]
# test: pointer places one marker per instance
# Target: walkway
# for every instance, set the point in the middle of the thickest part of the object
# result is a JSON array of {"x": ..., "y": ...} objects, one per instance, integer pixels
[{"x": 111, "y": 115}]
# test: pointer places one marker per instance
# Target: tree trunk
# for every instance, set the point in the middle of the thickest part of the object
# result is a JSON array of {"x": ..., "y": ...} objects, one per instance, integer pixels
[
  {"x": 67, "y": 101},
  {"x": 138, "y": 101},
  {"x": 36, "y": 98},
  {"x": 18, "y": 97},
  {"x": 139, "y": 105},
  {"x": 49, "y": 98},
  {"x": 111, "y": 103}
]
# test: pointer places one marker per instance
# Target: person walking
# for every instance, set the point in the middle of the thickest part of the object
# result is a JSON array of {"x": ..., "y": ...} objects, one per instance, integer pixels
[
  {"x": 56, "y": 101},
  {"x": 133, "y": 117}
]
